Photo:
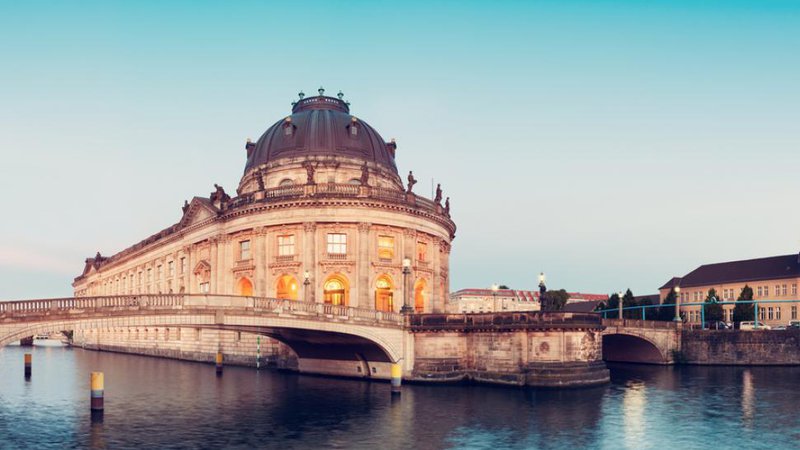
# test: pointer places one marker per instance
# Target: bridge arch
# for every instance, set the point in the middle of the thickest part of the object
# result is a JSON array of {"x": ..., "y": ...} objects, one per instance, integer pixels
[{"x": 624, "y": 347}]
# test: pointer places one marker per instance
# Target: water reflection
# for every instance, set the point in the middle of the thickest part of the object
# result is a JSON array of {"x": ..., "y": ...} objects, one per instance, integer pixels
[
  {"x": 633, "y": 409},
  {"x": 748, "y": 399}
]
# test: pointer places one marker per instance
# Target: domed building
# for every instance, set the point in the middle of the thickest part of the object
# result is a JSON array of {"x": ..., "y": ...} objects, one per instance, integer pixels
[{"x": 321, "y": 214}]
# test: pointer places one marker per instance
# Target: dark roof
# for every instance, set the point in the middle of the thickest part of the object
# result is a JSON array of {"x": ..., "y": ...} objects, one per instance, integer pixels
[
  {"x": 771, "y": 268},
  {"x": 582, "y": 306},
  {"x": 674, "y": 281},
  {"x": 652, "y": 298},
  {"x": 321, "y": 126}
]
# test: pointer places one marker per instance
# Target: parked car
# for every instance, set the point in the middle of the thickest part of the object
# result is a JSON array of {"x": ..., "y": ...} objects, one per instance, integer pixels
[
  {"x": 779, "y": 327},
  {"x": 717, "y": 325},
  {"x": 794, "y": 325},
  {"x": 752, "y": 326}
]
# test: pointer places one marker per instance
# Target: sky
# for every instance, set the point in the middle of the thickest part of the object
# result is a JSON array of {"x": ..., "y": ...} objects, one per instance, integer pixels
[{"x": 609, "y": 144}]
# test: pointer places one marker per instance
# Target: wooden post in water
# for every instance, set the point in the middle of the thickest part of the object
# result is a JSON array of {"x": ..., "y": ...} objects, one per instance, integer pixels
[
  {"x": 219, "y": 363},
  {"x": 397, "y": 378},
  {"x": 97, "y": 391},
  {"x": 28, "y": 364}
]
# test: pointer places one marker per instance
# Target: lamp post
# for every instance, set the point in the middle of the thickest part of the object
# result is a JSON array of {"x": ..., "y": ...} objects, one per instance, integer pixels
[
  {"x": 306, "y": 282},
  {"x": 677, "y": 304},
  {"x": 619, "y": 296},
  {"x": 542, "y": 290},
  {"x": 495, "y": 287},
  {"x": 406, "y": 309}
]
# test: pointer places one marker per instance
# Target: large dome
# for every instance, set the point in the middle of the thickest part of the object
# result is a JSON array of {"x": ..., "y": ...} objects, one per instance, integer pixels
[{"x": 321, "y": 126}]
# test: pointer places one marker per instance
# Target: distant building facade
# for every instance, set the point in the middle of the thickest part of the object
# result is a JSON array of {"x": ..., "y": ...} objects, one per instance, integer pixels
[
  {"x": 473, "y": 300},
  {"x": 771, "y": 278}
]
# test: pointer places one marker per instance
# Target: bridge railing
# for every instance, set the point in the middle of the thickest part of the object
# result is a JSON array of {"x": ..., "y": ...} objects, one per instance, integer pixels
[
  {"x": 635, "y": 323},
  {"x": 180, "y": 301},
  {"x": 501, "y": 321}
]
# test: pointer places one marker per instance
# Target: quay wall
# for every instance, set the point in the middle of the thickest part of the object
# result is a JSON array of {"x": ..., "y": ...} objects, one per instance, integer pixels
[
  {"x": 190, "y": 344},
  {"x": 735, "y": 347}
]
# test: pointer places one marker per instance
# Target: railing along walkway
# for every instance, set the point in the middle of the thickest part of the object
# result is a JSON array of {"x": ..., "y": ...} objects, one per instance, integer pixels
[{"x": 34, "y": 309}]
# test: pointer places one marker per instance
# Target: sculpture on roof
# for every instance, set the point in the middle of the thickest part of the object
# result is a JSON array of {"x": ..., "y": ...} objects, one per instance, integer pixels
[
  {"x": 447, "y": 206},
  {"x": 185, "y": 206},
  {"x": 364, "y": 174},
  {"x": 309, "y": 173},
  {"x": 219, "y": 195},
  {"x": 438, "y": 197},
  {"x": 411, "y": 181}
]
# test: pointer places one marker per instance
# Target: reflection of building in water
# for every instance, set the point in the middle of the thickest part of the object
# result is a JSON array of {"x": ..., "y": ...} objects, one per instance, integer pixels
[
  {"x": 748, "y": 398},
  {"x": 633, "y": 410},
  {"x": 772, "y": 278}
]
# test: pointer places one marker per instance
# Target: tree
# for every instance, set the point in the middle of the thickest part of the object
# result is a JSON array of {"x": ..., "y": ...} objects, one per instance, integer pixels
[
  {"x": 667, "y": 313},
  {"x": 627, "y": 301},
  {"x": 503, "y": 286},
  {"x": 744, "y": 312},
  {"x": 713, "y": 310},
  {"x": 554, "y": 300}
]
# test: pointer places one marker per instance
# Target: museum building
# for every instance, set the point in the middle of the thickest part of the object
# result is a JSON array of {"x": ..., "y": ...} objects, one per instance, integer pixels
[{"x": 321, "y": 214}]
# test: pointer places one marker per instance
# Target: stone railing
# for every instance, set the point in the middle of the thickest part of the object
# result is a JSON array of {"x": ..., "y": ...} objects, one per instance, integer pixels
[
  {"x": 116, "y": 304},
  {"x": 504, "y": 321},
  {"x": 634, "y": 323}
]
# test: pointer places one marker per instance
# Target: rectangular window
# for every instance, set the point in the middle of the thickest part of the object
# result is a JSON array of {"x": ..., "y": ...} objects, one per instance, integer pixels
[
  {"x": 171, "y": 268},
  {"x": 783, "y": 290},
  {"x": 286, "y": 245},
  {"x": 759, "y": 291},
  {"x": 149, "y": 275},
  {"x": 761, "y": 314},
  {"x": 778, "y": 313},
  {"x": 204, "y": 288},
  {"x": 337, "y": 243},
  {"x": 794, "y": 312},
  {"x": 770, "y": 313},
  {"x": 159, "y": 272},
  {"x": 139, "y": 279},
  {"x": 244, "y": 250},
  {"x": 794, "y": 289},
  {"x": 422, "y": 251},
  {"x": 385, "y": 247},
  {"x": 183, "y": 266}
]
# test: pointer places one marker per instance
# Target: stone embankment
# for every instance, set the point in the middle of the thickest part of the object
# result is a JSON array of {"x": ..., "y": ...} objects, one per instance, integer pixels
[{"x": 735, "y": 347}]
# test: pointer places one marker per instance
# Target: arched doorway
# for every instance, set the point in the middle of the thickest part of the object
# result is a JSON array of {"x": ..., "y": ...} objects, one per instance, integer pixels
[
  {"x": 244, "y": 287},
  {"x": 336, "y": 290},
  {"x": 419, "y": 295},
  {"x": 286, "y": 287},
  {"x": 384, "y": 295}
]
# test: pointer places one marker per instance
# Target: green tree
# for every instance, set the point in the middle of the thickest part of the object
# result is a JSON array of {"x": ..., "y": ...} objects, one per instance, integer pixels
[
  {"x": 627, "y": 301},
  {"x": 744, "y": 312},
  {"x": 667, "y": 313},
  {"x": 713, "y": 310},
  {"x": 555, "y": 300}
]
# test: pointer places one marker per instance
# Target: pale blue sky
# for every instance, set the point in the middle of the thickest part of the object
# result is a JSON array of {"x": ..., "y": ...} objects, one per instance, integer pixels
[{"x": 609, "y": 144}]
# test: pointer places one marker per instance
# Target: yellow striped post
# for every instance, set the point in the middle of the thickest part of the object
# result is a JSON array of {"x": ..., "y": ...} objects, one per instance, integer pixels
[
  {"x": 219, "y": 363},
  {"x": 397, "y": 378},
  {"x": 96, "y": 384},
  {"x": 28, "y": 365}
]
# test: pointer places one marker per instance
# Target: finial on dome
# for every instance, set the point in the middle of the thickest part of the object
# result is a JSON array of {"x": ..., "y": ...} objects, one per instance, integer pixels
[
  {"x": 321, "y": 91},
  {"x": 301, "y": 94},
  {"x": 340, "y": 95}
]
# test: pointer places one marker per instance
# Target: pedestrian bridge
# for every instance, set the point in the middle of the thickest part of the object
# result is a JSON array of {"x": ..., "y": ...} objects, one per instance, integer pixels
[
  {"x": 641, "y": 341},
  {"x": 323, "y": 336}
]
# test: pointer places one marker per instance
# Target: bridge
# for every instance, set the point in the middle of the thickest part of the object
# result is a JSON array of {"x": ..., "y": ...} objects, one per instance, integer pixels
[
  {"x": 641, "y": 341},
  {"x": 323, "y": 336}
]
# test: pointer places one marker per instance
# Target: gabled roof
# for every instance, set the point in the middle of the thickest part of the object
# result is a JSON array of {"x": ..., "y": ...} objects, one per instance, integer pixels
[
  {"x": 674, "y": 281},
  {"x": 198, "y": 210},
  {"x": 771, "y": 268}
]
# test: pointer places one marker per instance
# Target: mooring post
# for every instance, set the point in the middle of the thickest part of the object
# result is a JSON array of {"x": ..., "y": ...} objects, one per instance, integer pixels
[
  {"x": 28, "y": 364},
  {"x": 219, "y": 363},
  {"x": 258, "y": 352},
  {"x": 97, "y": 394},
  {"x": 397, "y": 378}
]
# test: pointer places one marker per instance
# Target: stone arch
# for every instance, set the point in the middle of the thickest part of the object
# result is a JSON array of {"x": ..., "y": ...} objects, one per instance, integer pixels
[
  {"x": 286, "y": 287},
  {"x": 384, "y": 293},
  {"x": 336, "y": 290},
  {"x": 621, "y": 347},
  {"x": 420, "y": 295},
  {"x": 244, "y": 287}
]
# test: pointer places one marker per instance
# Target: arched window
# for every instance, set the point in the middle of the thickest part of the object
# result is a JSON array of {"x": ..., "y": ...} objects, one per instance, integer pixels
[
  {"x": 336, "y": 290},
  {"x": 384, "y": 295},
  {"x": 244, "y": 287},
  {"x": 286, "y": 182},
  {"x": 419, "y": 295},
  {"x": 286, "y": 287}
]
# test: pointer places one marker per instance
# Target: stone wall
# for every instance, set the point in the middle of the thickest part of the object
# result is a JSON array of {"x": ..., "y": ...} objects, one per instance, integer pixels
[
  {"x": 763, "y": 347},
  {"x": 192, "y": 344}
]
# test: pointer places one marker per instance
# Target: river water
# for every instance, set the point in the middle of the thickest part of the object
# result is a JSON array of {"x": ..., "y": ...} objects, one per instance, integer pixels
[{"x": 159, "y": 403}]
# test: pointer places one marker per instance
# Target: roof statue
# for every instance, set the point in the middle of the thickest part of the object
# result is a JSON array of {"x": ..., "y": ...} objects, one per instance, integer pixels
[{"x": 411, "y": 181}]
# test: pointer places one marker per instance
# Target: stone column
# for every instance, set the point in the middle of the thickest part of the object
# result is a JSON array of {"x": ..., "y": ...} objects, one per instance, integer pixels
[
  {"x": 309, "y": 262},
  {"x": 228, "y": 245},
  {"x": 443, "y": 281},
  {"x": 214, "y": 252},
  {"x": 437, "y": 305},
  {"x": 259, "y": 255},
  {"x": 362, "y": 268},
  {"x": 409, "y": 251}
]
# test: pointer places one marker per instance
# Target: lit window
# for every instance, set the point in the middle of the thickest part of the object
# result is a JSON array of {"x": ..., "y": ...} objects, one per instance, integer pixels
[
  {"x": 422, "y": 251},
  {"x": 286, "y": 245},
  {"x": 385, "y": 247},
  {"x": 244, "y": 250},
  {"x": 171, "y": 268},
  {"x": 337, "y": 243}
]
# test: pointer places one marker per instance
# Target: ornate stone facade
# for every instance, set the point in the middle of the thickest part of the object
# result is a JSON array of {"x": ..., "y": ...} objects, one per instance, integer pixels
[{"x": 320, "y": 215}]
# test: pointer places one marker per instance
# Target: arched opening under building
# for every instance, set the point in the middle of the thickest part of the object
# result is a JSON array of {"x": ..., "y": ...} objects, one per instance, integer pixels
[
  {"x": 384, "y": 294},
  {"x": 419, "y": 295},
  {"x": 244, "y": 287},
  {"x": 286, "y": 287},
  {"x": 633, "y": 349},
  {"x": 336, "y": 290}
]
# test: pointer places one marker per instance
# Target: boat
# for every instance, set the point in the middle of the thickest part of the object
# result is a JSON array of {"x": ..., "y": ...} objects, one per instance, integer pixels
[{"x": 50, "y": 340}]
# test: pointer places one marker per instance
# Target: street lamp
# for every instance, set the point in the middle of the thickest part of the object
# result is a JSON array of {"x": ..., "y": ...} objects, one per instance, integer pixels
[
  {"x": 306, "y": 282},
  {"x": 406, "y": 309},
  {"x": 677, "y": 304},
  {"x": 495, "y": 287},
  {"x": 542, "y": 290},
  {"x": 619, "y": 296}
]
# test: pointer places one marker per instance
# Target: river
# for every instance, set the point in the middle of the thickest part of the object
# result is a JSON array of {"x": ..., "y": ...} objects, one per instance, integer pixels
[{"x": 159, "y": 403}]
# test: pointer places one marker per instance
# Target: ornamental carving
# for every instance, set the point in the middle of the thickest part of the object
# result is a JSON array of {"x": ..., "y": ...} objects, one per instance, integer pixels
[
  {"x": 309, "y": 226},
  {"x": 364, "y": 227},
  {"x": 410, "y": 233},
  {"x": 444, "y": 247}
]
